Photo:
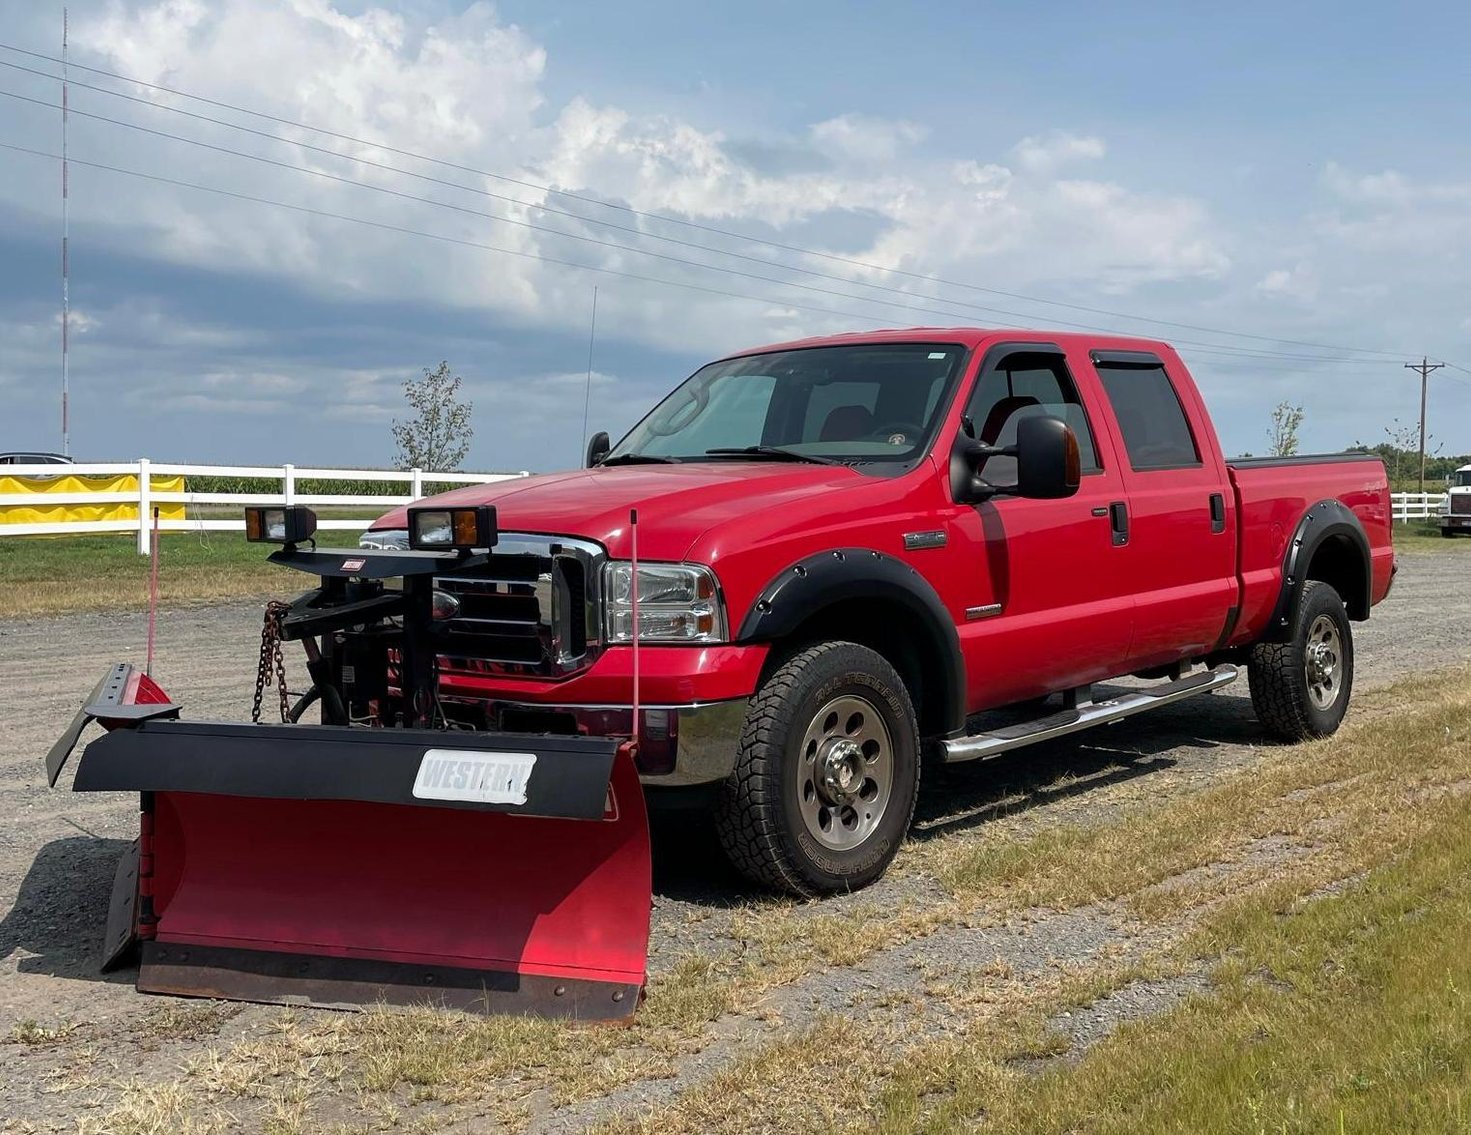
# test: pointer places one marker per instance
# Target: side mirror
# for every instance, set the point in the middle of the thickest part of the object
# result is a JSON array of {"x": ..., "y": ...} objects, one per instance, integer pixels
[
  {"x": 1047, "y": 461},
  {"x": 597, "y": 448}
]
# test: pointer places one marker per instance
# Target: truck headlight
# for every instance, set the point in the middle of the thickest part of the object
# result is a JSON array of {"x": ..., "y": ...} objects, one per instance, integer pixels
[{"x": 676, "y": 603}]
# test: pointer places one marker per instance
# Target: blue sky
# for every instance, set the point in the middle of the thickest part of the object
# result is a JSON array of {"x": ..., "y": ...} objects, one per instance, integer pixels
[{"x": 1295, "y": 172}]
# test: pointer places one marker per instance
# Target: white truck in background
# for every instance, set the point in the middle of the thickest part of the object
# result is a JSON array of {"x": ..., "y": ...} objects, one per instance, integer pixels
[{"x": 1455, "y": 513}]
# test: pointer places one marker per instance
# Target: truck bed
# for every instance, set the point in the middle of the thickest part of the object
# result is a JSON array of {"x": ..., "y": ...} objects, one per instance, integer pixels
[{"x": 1274, "y": 493}]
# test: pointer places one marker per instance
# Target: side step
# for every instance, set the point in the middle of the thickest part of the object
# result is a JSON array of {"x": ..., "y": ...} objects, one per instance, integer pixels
[{"x": 978, "y": 745}]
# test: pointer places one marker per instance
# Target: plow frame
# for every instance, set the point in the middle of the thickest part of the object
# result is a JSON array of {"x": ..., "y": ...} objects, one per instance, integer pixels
[{"x": 372, "y": 858}]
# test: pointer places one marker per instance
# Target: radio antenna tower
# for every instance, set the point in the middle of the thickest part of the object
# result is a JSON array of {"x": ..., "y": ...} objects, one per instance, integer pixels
[{"x": 66, "y": 444}]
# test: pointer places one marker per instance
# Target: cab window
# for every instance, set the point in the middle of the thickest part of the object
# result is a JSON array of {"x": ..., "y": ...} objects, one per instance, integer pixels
[{"x": 1026, "y": 384}]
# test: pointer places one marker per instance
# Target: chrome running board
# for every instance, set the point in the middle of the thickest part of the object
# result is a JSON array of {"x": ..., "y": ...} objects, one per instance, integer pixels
[{"x": 1087, "y": 714}]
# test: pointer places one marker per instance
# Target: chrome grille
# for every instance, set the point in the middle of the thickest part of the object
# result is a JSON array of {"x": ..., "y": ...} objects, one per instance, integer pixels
[{"x": 532, "y": 609}]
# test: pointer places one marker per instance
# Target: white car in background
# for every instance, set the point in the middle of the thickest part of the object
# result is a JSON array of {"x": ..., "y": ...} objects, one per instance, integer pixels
[
  {"x": 1455, "y": 513},
  {"x": 33, "y": 457}
]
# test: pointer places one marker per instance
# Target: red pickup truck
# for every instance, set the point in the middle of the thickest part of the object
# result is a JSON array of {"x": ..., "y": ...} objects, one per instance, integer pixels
[
  {"x": 807, "y": 571},
  {"x": 851, "y": 548}
]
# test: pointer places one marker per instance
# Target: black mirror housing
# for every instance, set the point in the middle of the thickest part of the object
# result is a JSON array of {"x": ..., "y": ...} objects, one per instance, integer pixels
[
  {"x": 1048, "y": 465},
  {"x": 597, "y": 448}
]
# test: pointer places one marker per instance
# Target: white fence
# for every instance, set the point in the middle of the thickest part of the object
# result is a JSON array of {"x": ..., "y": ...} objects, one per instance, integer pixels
[
  {"x": 1406, "y": 506},
  {"x": 145, "y": 496},
  {"x": 1416, "y": 506}
]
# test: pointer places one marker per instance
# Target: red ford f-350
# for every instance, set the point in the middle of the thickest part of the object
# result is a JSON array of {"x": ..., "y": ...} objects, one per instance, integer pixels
[{"x": 851, "y": 548}]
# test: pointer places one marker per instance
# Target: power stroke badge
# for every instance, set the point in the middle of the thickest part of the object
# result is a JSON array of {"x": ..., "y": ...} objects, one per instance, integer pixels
[{"x": 475, "y": 777}]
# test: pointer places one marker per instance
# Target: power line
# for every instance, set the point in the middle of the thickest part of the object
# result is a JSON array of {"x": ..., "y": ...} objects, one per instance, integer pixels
[
  {"x": 404, "y": 230},
  {"x": 947, "y": 312},
  {"x": 715, "y": 230}
]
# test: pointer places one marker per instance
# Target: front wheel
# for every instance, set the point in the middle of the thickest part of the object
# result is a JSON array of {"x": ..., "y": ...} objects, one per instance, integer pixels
[
  {"x": 827, "y": 773},
  {"x": 1300, "y": 688}
]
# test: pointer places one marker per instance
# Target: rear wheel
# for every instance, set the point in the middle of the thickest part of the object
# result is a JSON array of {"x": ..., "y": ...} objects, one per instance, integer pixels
[
  {"x": 1300, "y": 688},
  {"x": 827, "y": 773}
]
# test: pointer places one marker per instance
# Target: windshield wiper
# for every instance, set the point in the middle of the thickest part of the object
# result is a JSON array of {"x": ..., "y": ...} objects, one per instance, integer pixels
[
  {"x": 775, "y": 452},
  {"x": 639, "y": 459}
]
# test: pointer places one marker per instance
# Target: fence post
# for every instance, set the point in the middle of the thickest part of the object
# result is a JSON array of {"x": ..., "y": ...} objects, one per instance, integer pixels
[
  {"x": 288, "y": 484},
  {"x": 416, "y": 483},
  {"x": 145, "y": 500}
]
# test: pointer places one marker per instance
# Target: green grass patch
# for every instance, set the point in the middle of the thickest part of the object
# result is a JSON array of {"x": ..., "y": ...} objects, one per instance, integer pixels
[
  {"x": 1422, "y": 536},
  {"x": 1351, "y": 1012},
  {"x": 64, "y": 574}
]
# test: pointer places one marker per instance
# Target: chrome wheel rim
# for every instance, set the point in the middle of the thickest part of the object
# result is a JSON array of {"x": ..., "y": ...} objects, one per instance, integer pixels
[
  {"x": 845, "y": 772},
  {"x": 1323, "y": 662}
]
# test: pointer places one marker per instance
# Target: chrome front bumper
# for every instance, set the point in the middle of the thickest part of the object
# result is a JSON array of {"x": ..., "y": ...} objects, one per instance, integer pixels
[{"x": 704, "y": 736}]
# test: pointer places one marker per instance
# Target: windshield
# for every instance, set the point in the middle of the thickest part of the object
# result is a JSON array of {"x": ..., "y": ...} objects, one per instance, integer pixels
[
  {"x": 1461, "y": 478},
  {"x": 855, "y": 404}
]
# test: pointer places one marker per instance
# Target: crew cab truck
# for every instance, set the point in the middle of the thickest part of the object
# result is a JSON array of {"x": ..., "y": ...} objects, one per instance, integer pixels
[
  {"x": 851, "y": 548},
  {"x": 1455, "y": 511}
]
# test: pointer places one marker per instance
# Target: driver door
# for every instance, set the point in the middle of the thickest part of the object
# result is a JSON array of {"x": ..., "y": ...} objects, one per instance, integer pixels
[{"x": 1050, "y": 601}]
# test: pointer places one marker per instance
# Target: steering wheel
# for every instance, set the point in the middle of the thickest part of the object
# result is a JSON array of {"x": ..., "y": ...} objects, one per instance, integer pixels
[{"x": 898, "y": 433}]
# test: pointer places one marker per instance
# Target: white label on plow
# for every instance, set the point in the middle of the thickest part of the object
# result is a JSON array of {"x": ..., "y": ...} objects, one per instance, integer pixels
[{"x": 475, "y": 776}]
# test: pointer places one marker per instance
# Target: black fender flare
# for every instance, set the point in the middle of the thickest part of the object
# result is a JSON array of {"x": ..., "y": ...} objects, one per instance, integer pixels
[
  {"x": 807, "y": 587},
  {"x": 1326, "y": 520}
]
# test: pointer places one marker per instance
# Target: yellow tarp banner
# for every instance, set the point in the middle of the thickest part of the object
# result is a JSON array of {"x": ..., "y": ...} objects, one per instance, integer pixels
[{"x": 42, "y": 513}]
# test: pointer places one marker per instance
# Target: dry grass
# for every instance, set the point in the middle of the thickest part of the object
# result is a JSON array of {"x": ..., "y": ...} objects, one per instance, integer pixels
[
  {"x": 32, "y": 1032},
  {"x": 1199, "y": 878},
  {"x": 1324, "y": 992}
]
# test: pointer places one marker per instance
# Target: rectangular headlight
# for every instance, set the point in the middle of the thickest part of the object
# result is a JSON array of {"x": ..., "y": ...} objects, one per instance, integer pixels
[
  {"x": 457, "y": 528},
  {"x": 676, "y": 603},
  {"x": 287, "y": 525}
]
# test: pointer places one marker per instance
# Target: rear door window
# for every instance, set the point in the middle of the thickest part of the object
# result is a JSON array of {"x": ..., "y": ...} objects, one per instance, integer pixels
[{"x": 1155, "y": 430}]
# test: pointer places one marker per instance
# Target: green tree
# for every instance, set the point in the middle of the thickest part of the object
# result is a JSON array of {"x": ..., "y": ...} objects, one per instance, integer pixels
[
  {"x": 1282, "y": 437},
  {"x": 437, "y": 434}
]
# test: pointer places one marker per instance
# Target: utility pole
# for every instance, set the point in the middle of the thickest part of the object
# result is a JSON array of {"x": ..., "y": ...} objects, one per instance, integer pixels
[
  {"x": 1424, "y": 366},
  {"x": 66, "y": 435}
]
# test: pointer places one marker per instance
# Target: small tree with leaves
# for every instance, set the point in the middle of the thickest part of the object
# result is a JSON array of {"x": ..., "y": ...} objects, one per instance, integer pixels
[
  {"x": 437, "y": 435},
  {"x": 1282, "y": 437}
]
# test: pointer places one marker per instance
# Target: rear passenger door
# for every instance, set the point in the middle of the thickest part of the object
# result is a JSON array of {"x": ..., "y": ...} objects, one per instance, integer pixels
[{"x": 1181, "y": 524}]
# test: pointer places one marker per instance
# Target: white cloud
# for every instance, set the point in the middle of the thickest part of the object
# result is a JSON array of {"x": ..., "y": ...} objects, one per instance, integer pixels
[
  {"x": 1046, "y": 154},
  {"x": 1377, "y": 255},
  {"x": 469, "y": 89},
  {"x": 862, "y": 138}
]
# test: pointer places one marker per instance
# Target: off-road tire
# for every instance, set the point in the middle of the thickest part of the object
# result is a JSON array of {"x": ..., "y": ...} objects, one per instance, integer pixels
[
  {"x": 759, "y": 815},
  {"x": 1277, "y": 671}
]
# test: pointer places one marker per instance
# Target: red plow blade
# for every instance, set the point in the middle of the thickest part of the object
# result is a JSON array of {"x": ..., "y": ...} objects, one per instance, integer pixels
[
  {"x": 338, "y": 866},
  {"x": 341, "y": 903}
]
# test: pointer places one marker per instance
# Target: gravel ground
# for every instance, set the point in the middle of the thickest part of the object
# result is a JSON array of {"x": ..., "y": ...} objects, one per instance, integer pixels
[{"x": 58, "y": 850}]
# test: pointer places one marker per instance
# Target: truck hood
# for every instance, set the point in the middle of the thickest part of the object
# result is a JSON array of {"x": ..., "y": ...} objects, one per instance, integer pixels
[{"x": 676, "y": 503}]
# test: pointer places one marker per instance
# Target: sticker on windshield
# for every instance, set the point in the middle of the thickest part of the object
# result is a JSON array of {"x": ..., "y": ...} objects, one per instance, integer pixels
[{"x": 937, "y": 354}]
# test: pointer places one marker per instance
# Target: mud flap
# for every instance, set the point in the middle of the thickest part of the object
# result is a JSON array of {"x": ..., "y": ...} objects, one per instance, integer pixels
[{"x": 119, "y": 939}]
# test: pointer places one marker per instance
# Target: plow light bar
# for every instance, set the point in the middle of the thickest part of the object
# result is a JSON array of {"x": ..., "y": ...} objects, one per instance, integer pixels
[
  {"x": 289, "y": 525},
  {"x": 457, "y": 528}
]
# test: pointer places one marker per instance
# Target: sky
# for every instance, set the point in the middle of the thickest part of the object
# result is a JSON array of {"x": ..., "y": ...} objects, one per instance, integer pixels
[{"x": 1282, "y": 190}]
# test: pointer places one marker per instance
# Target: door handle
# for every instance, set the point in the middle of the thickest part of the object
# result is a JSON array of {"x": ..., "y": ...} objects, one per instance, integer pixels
[
  {"x": 1118, "y": 521},
  {"x": 1218, "y": 512}
]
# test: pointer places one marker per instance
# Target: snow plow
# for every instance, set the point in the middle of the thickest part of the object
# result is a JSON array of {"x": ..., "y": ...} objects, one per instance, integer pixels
[{"x": 390, "y": 853}]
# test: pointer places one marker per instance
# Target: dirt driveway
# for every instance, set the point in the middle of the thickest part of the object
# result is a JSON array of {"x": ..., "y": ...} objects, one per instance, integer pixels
[{"x": 58, "y": 850}]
